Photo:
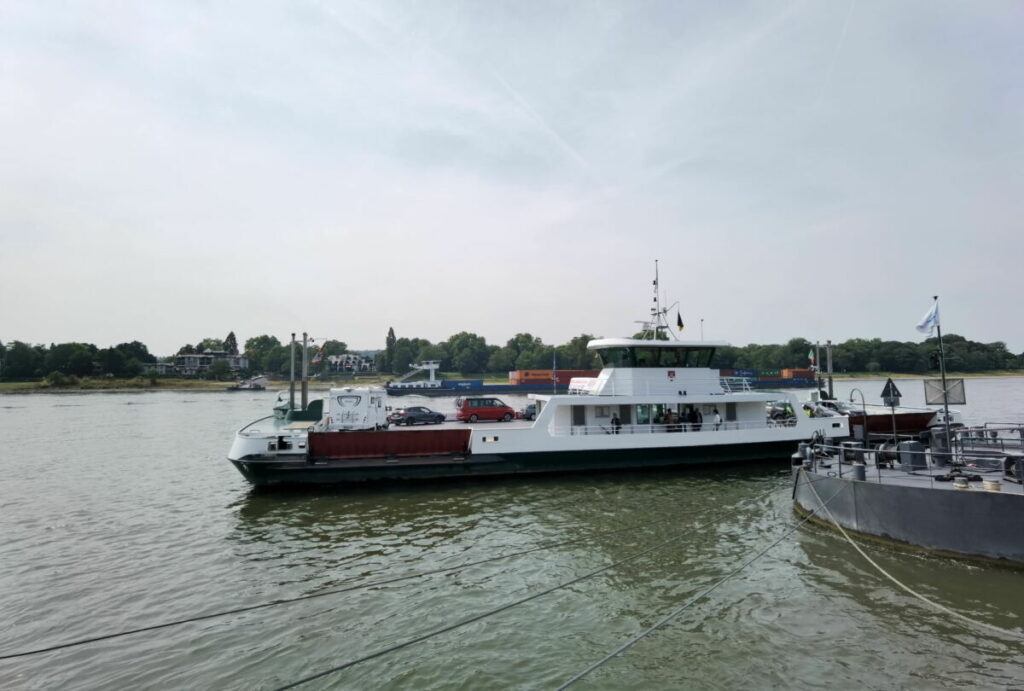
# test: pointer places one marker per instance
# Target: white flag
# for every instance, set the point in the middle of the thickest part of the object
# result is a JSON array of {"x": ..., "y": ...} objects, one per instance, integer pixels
[{"x": 930, "y": 320}]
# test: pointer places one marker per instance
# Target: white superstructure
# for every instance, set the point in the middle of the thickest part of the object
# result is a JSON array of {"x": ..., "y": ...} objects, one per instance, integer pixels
[{"x": 658, "y": 394}]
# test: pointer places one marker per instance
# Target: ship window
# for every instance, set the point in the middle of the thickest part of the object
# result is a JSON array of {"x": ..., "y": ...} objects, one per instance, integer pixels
[
  {"x": 616, "y": 357},
  {"x": 602, "y": 411},
  {"x": 700, "y": 357},
  {"x": 647, "y": 357},
  {"x": 673, "y": 357},
  {"x": 643, "y": 414}
]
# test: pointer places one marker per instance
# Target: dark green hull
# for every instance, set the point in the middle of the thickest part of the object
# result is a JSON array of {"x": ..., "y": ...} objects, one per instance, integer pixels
[{"x": 302, "y": 471}]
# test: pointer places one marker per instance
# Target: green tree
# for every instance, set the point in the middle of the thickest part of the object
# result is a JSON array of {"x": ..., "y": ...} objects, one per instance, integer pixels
[
  {"x": 257, "y": 349},
  {"x": 402, "y": 355},
  {"x": 432, "y": 351},
  {"x": 23, "y": 361},
  {"x": 389, "y": 351},
  {"x": 214, "y": 344},
  {"x": 501, "y": 360},
  {"x": 70, "y": 358},
  {"x": 574, "y": 354},
  {"x": 111, "y": 361},
  {"x": 135, "y": 350},
  {"x": 539, "y": 356},
  {"x": 469, "y": 352},
  {"x": 219, "y": 370},
  {"x": 231, "y": 344},
  {"x": 277, "y": 361}
]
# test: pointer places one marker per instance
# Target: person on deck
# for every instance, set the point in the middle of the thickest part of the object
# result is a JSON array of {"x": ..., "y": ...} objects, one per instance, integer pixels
[{"x": 717, "y": 418}]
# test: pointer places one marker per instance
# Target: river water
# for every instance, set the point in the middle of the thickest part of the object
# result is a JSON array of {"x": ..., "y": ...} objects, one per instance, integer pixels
[{"x": 119, "y": 511}]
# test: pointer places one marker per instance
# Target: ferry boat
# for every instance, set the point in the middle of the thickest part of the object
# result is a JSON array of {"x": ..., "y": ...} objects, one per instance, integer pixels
[{"x": 655, "y": 403}]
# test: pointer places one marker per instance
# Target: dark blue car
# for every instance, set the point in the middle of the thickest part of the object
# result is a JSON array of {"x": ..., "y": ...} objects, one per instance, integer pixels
[{"x": 416, "y": 415}]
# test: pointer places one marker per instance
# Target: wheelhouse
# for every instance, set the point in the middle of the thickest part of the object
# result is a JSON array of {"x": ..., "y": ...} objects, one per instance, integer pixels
[{"x": 656, "y": 355}]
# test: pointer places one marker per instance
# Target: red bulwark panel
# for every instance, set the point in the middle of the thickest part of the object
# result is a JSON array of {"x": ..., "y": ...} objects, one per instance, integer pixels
[{"x": 435, "y": 442}]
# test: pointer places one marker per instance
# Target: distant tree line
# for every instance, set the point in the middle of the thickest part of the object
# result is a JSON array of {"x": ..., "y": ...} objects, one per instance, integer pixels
[
  {"x": 58, "y": 362},
  {"x": 468, "y": 353},
  {"x": 876, "y": 355}
]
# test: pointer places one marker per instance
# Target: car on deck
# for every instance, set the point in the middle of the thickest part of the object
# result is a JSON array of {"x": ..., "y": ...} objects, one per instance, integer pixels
[
  {"x": 474, "y": 409},
  {"x": 416, "y": 415}
]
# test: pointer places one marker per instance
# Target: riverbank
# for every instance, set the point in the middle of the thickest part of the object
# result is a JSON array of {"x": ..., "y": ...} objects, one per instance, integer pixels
[
  {"x": 106, "y": 384},
  {"x": 930, "y": 375}
]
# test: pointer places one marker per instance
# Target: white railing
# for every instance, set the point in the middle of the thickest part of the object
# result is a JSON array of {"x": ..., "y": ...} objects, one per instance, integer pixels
[
  {"x": 734, "y": 384},
  {"x": 682, "y": 427}
]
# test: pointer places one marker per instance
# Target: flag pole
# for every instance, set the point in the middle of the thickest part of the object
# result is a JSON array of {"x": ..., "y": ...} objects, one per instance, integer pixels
[{"x": 942, "y": 372}]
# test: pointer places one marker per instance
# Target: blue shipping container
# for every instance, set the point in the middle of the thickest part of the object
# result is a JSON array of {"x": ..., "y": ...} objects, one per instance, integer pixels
[{"x": 463, "y": 383}]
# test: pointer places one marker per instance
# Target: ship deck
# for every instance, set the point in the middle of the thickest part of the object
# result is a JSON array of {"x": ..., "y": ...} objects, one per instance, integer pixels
[{"x": 927, "y": 478}]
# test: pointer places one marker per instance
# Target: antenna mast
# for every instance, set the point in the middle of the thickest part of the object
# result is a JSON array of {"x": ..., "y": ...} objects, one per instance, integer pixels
[{"x": 658, "y": 321}]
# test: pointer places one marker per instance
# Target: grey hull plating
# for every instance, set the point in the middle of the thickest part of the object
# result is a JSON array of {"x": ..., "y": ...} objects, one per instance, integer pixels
[
  {"x": 352, "y": 471},
  {"x": 971, "y": 523}
]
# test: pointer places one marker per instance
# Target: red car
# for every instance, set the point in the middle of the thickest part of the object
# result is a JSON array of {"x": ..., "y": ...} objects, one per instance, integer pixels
[{"x": 473, "y": 409}]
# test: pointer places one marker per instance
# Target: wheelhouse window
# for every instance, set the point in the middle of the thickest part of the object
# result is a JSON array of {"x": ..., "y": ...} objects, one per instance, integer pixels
[
  {"x": 673, "y": 357},
  {"x": 655, "y": 356},
  {"x": 616, "y": 357},
  {"x": 700, "y": 357},
  {"x": 647, "y": 357}
]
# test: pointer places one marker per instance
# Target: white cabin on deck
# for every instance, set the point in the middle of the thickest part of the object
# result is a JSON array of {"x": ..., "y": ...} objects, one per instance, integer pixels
[{"x": 661, "y": 386}]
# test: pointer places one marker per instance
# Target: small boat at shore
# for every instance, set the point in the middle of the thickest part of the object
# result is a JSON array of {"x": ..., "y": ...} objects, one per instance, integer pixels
[
  {"x": 258, "y": 383},
  {"x": 963, "y": 498}
]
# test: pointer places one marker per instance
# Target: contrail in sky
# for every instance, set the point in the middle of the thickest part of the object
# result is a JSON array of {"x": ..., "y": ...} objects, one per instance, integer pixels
[
  {"x": 835, "y": 54},
  {"x": 545, "y": 128}
]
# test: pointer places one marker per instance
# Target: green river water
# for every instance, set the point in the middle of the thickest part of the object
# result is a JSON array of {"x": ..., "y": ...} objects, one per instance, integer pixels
[{"x": 120, "y": 511}]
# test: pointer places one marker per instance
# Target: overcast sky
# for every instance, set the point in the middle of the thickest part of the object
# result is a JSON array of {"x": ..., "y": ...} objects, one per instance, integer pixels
[{"x": 171, "y": 171}]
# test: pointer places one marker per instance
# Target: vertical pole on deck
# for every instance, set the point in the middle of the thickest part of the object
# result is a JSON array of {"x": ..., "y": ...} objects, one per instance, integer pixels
[
  {"x": 817, "y": 364},
  {"x": 305, "y": 371},
  {"x": 945, "y": 392},
  {"x": 291, "y": 377},
  {"x": 828, "y": 354}
]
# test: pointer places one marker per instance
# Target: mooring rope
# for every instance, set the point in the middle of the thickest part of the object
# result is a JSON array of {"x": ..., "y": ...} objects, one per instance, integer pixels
[
  {"x": 337, "y": 591},
  {"x": 689, "y": 603},
  {"x": 502, "y": 608},
  {"x": 905, "y": 587}
]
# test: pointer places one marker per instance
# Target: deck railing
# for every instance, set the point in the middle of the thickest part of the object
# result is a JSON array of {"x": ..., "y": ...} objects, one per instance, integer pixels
[
  {"x": 988, "y": 452},
  {"x": 679, "y": 427}
]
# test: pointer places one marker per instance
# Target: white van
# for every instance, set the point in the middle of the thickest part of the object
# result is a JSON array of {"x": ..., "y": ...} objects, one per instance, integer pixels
[{"x": 357, "y": 408}]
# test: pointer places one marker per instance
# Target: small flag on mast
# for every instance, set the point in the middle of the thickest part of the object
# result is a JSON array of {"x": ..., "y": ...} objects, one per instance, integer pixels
[
  {"x": 930, "y": 320},
  {"x": 679, "y": 321},
  {"x": 810, "y": 355}
]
